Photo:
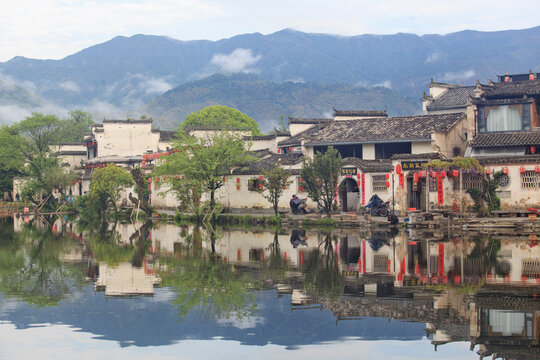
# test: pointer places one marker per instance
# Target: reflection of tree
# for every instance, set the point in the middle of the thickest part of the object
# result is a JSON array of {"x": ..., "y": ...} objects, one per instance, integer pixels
[
  {"x": 201, "y": 279},
  {"x": 484, "y": 254},
  {"x": 30, "y": 266},
  {"x": 275, "y": 265},
  {"x": 142, "y": 241},
  {"x": 107, "y": 247},
  {"x": 321, "y": 271}
]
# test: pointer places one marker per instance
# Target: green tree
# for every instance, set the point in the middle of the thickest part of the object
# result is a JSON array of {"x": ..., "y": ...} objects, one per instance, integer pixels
[
  {"x": 320, "y": 177},
  {"x": 204, "y": 162},
  {"x": 107, "y": 184},
  {"x": 76, "y": 125},
  {"x": 12, "y": 160},
  {"x": 274, "y": 181},
  {"x": 222, "y": 117},
  {"x": 38, "y": 140}
]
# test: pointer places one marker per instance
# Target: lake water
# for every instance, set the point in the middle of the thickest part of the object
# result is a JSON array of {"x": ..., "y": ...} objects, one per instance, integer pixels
[{"x": 178, "y": 292}]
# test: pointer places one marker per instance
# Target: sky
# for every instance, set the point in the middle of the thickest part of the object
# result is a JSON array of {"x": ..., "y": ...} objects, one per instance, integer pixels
[{"x": 53, "y": 29}]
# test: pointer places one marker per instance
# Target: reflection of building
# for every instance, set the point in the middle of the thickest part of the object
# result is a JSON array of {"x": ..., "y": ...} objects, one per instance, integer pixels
[{"x": 125, "y": 280}]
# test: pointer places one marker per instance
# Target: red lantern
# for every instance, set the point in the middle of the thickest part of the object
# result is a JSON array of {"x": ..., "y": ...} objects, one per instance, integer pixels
[
  {"x": 415, "y": 177},
  {"x": 237, "y": 186},
  {"x": 398, "y": 169},
  {"x": 522, "y": 170},
  {"x": 290, "y": 149},
  {"x": 422, "y": 173},
  {"x": 260, "y": 186},
  {"x": 387, "y": 184},
  {"x": 455, "y": 173},
  {"x": 387, "y": 176},
  {"x": 537, "y": 169},
  {"x": 533, "y": 149},
  {"x": 358, "y": 182},
  {"x": 505, "y": 170},
  {"x": 300, "y": 179},
  {"x": 238, "y": 180},
  {"x": 488, "y": 171},
  {"x": 279, "y": 151},
  {"x": 300, "y": 188},
  {"x": 260, "y": 177}
]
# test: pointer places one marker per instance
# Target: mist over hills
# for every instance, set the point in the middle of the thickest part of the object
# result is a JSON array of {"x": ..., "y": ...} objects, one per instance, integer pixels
[
  {"x": 267, "y": 101},
  {"x": 121, "y": 76}
]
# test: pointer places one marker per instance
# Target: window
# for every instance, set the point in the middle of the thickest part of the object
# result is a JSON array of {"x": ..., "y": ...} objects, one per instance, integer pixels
[
  {"x": 379, "y": 183},
  {"x": 470, "y": 181},
  {"x": 432, "y": 184},
  {"x": 504, "y": 181},
  {"x": 515, "y": 117},
  {"x": 254, "y": 184},
  {"x": 530, "y": 180}
]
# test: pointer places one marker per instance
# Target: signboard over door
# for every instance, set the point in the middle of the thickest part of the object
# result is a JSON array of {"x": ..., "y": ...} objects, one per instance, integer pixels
[{"x": 348, "y": 172}]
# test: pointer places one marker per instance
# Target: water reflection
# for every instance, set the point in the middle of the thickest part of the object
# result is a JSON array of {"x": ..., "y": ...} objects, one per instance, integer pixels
[{"x": 290, "y": 287}]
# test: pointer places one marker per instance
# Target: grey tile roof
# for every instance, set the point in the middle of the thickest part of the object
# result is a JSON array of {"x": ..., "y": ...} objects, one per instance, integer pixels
[
  {"x": 267, "y": 160},
  {"x": 72, "y": 152},
  {"x": 260, "y": 137},
  {"x": 127, "y": 121},
  {"x": 307, "y": 120},
  {"x": 166, "y": 135},
  {"x": 500, "y": 160},
  {"x": 369, "y": 166},
  {"x": 424, "y": 156},
  {"x": 392, "y": 129},
  {"x": 363, "y": 113},
  {"x": 454, "y": 97},
  {"x": 519, "y": 88},
  {"x": 312, "y": 131},
  {"x": 518, "y": 138}
]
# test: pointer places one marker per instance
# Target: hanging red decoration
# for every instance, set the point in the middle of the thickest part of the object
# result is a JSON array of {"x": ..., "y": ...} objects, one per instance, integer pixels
[
  {"x": 415, "y": 177},
  {"x": 260, "y": 178},
  {"x": 398, "y": 169},
  {"x": 522, "y": 170},
  {"x": 279, "y": 151},
  {"x": 422, "y": 173},
  {"x": 387, "y": 176},
  {"x": 238, "y": 180},
  {"x": 455, "y": 173},
  {"x": 505, "y": 170},
  {"x": 488, "y": 171},
  {"x": 537, "y": 169},
  {"x": 387, "y": 184},
  {"x": 443, "y": 174}
]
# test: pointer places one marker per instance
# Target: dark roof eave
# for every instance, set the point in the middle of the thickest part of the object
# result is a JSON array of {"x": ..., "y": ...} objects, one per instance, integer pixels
[
  {"x": 435, "y": 108},
  {"x": 366, "y": 142}
]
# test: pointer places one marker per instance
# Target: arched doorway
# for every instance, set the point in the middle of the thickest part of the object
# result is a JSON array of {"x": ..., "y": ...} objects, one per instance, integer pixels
[{"x": 349, "y": 195}]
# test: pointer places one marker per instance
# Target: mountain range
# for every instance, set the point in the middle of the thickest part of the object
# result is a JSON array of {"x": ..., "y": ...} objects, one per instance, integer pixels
[{"x": 145, "y": 73}]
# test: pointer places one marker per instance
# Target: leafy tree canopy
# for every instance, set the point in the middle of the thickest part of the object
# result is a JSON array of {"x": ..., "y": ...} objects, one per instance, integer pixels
[
  {"x": 222, "y": 117},
  {"x": 12, "y": 160},
  {"x": 204, "y": 163},
  {"x": 320, "y": 177},
  {"x": 107, "y": 183}
]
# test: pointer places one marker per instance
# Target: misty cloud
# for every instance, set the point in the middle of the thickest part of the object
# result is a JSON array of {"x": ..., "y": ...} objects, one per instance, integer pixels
[
  {"x": 459, "y": 75},
  {"x": 385, "y": 84},
  {"x": 70, "y": 86},
  {"x": 10, "y": 114},
  {"x": 434, "y": 57},
  {"x": 240, "y": 60}
]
